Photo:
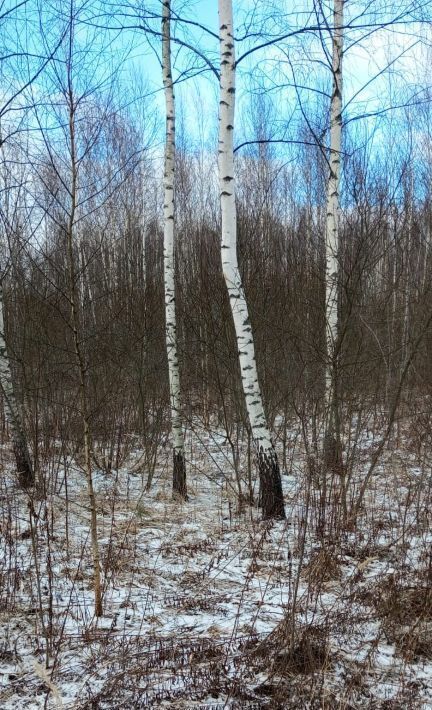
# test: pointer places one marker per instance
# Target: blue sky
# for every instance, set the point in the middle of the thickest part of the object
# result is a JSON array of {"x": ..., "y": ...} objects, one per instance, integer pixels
[
  {"x": 368, "y": 86},
  {"x": 272, "y": 70}
]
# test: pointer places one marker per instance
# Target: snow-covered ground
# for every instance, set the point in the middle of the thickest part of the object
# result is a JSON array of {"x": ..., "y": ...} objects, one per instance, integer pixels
[{"x": 206, "y": 607}]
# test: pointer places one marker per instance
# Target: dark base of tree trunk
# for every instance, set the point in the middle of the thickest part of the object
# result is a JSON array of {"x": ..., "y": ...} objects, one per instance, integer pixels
[
  {"x": 333, "y": 454},
  {"x": 271, "y": 496},
  {"x": 24, "y": 468},
  {"x": 179, "y": 476}
]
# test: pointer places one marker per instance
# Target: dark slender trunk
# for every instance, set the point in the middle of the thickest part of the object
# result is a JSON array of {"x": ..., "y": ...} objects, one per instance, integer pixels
[
  {"x": 179, "y": 476},
  {"x": 12, "y": 414},
  {"x": 23, "y": 464},
  {"x": 333, "y": 440},
  {"x": 271, "y": 496}
]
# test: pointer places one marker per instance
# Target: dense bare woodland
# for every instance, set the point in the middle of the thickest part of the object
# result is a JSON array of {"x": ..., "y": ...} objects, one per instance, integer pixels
[{"x": 215, "y": 354}]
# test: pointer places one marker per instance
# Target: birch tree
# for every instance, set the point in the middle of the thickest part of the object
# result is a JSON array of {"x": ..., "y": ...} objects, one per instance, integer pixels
[
  {"x": 11, "y": 409},
  {"x": 19, "y": 69},
  {"x": 332, "y": 401},
  {"x": 76, "y": 327},
  {"x": 268, "y": 465},
  {"x": 179, "y": 465},
  {"x": 10, "y": 189},
  {"x": 68, "y": 141}
]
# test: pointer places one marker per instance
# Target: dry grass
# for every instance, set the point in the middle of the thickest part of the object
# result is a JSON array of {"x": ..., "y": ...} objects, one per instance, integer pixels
[
  {"x": 322, "y": 567},
  {"x": 205, "y": 608}
]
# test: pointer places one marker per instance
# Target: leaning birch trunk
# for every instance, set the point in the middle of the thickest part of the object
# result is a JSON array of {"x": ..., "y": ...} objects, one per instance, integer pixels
[
  {"x": 332, "y": 399},
  {"x": 12, "y": 413},
  {"x": 268, "y": 466},
  {"x": 179, "y": 465}
]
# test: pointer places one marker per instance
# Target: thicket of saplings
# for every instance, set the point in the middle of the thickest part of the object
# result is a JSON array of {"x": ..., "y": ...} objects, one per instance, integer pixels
[
  {"x": 384, "y": 366},
  {"x": 384, "y": 301}
]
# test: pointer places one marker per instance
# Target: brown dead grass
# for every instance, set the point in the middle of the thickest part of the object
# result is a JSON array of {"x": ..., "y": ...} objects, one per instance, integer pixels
[
  {"x": 322, "y": 567},
  {"x": 406, "y": 616}
]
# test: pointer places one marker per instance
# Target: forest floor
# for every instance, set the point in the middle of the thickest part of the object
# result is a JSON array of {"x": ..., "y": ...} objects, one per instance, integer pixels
[{"x": 206, "y": 606}]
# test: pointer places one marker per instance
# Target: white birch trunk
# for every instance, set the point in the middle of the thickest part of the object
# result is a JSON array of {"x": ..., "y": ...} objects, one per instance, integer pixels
[
  {"x": 179, "y": 467},
  {"x": 12, "y": 413},
  {"x": 332, "y": 403},
  {"x": 270, "y": 481}
]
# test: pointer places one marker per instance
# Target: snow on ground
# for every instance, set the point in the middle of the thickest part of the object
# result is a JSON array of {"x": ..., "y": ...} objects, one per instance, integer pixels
[{"x": 201, "y": 602}]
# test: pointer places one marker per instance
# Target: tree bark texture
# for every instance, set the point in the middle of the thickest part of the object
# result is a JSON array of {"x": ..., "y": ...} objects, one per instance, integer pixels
[
  {"x": 12, "y": 414},
  {"x": 179, "y": 463},
  {"x": 269, "y": 472},
  {"x": 332, "y": 442}
]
